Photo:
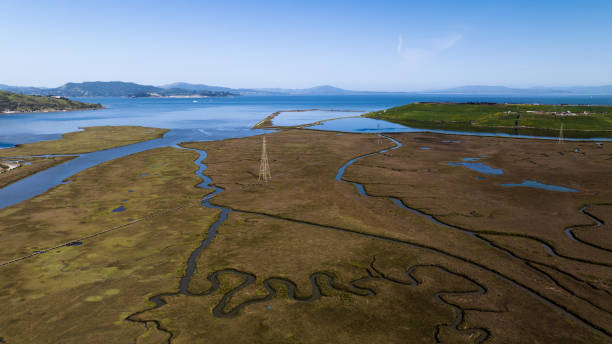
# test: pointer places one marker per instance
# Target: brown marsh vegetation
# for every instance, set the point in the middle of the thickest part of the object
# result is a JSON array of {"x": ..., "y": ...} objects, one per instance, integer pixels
[{"x": 306, "y": 258}]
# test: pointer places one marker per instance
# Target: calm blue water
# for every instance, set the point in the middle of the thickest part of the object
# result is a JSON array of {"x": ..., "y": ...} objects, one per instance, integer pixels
[
  {"x": 212, "y": 116},
  {"x": 538, "y": 185},
  {"x": 477, "y": 166},
  {"x": 291, "y": 118},
  {"x": 364, "y": 125},
  {"x": 227, "y": 114},
  {"x": 206, "y": 120},
  {"x": 119, "y": 209}
]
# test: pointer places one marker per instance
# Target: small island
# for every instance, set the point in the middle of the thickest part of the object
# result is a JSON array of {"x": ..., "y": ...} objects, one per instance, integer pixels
[
  {"x": 18, "y": 103},
  {"x": 579, "y": 121}
]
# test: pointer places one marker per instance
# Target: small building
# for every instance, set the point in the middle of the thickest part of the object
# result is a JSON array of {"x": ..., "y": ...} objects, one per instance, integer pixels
[{"x": 566, "y": 113}]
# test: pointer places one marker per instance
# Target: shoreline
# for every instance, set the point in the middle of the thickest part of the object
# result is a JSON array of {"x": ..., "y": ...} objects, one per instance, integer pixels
[
  {"x": 48, "y": 111},
  {"x": 267, "y": 123}
]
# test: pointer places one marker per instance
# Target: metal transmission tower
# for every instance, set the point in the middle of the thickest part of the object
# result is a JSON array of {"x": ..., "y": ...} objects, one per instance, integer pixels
[
  {"x": 560, "y": 141},
  {"x": 264, "y": 168}
]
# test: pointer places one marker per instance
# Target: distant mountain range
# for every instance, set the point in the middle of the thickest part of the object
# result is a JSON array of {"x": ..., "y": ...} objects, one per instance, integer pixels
[
  {"x": 113, "y": 89},
  {"x": 130, "y": 89},
  {"x": 318, "y": 90},
  {"x": 183, "y": 89}
]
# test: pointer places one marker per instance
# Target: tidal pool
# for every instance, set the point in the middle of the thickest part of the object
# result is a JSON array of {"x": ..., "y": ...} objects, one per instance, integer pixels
[
  {"x": 291, "y": 118},
  {"x": 477, "y": 166},
  {"x": 538, "y": 185},
  {"x": 119, "y": 209}
]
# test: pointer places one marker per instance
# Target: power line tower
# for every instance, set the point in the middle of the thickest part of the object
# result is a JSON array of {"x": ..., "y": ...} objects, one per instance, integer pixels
[
  {"x": 264, "y": 168},
  {"x": 560, "y": 141}
]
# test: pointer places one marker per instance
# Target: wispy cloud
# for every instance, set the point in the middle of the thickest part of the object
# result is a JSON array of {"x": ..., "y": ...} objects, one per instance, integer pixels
[
  {"x": 400, "y": 44},
  {"x": 419, "y": 52}
]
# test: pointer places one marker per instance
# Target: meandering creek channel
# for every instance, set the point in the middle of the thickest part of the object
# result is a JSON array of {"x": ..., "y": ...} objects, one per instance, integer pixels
[
  {"x": 44, "y": 180},
  {"x": 482, "y": 334}
]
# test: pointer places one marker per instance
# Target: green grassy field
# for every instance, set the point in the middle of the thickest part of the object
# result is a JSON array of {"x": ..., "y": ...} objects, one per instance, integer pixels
[{"x": 589, "y": 121}]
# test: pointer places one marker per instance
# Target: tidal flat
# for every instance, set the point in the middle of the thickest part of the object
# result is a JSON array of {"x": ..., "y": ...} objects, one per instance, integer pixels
[{"x": 398, "y": 245}]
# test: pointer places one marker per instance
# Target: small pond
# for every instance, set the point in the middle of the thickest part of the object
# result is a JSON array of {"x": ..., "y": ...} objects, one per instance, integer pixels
[
  {"x": 538, "y": 185},
  {"x": 477, "y": 166},
  {"x": 119, "y": 209}
]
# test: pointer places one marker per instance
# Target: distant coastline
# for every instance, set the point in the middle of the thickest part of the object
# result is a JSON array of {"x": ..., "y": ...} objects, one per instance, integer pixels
[
  {"x": 181, "y": 96},
  {"x": 128, "y": 89}
]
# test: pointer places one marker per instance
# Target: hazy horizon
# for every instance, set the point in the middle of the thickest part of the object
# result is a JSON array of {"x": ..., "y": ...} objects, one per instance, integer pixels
[
  {"x": 387, "y": 46},
  {"x": 321, "y": 85}
]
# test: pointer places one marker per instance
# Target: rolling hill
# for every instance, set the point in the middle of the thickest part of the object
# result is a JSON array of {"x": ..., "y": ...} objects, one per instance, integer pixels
[{"x": 13, "y": 102}]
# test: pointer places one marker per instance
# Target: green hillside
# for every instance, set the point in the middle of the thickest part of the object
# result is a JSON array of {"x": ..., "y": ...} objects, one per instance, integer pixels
[
  {"x": 578, "y": 120},
  {"x": 14, "y": 102}
]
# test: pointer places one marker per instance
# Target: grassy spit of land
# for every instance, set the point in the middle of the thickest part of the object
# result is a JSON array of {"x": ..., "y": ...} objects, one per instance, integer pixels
[
  {"x": 89, "y": 140},
  {"x": 268, "y": 122},
  {"x": 384, "y": 273},
  {"x": 580, "y": 121},
  {"x": 14, "y": 102}
]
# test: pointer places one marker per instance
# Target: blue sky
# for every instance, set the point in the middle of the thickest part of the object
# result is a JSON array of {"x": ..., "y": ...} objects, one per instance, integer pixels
[{"x": 377, "y": 45}]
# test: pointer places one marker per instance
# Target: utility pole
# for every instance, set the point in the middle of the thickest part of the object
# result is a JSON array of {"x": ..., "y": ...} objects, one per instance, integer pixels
[
  {"x": 560, "y": 141},
  {"x": 264, "y": 167},
  {"x": 378, "y": 133}
]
